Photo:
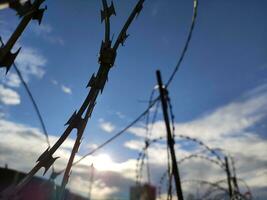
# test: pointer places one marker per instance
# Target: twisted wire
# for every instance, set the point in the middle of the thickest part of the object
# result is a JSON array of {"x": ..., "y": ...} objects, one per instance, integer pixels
[
  {"x": 155, "y": 100},
  {"x": 202, "y": 157},
  {"x": 211, "y": 150}
]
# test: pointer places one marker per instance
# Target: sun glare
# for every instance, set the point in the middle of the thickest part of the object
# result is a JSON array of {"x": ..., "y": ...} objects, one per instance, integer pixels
[{"x": 103, "y": 162}]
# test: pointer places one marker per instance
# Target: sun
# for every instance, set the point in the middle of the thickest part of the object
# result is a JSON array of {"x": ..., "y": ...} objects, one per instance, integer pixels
[{"x": 103, "y": 162}]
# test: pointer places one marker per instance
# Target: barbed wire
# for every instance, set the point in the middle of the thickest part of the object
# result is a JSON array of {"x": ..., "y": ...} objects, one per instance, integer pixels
[
  {"x": 162, "y": 178},
  {"x": 34, "y": 103},
  {"x": 170, "y": 174},
  {"x": 120, "y": 40},
  {"x": 76, "y": 121},
  {"x": 211, "y": 150},
  {"x": 141, "y": 157},
  {"x": 202, "y": 157},
  {"x": 144, "y": 112},
  {"x": 155, "y": 139},
  {"x": 116, "y": 135},
  {"x": 211, "y": 189},
  {"x": 239, "y": 194},
  {"x": 28, "y": 11},
  {"x": 157, "y": 98},
  {"x": 171, "y": 115},
  {"x": 144, "y": 153},
  {"x": 207, "y": 183}
]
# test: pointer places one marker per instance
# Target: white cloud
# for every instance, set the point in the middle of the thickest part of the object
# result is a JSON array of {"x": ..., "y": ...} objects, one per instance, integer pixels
[
  {"x": 91, "y": 146},
  {"x": 63, "y": 87},
  {"x": 9, "y": 96},
  {"x": 106, "y": 126},
  {"x": 135, "y": 144},
  {"x": 12, "y": 80},
  {"x": 21, "y": 141},
  {"x": 229, "y": 120},
  {"x": 66, "y": 89},
  {"x": 45, "y": 31},
  {"x": 230, "y": 127},
  {"x": 120, "y": 115},
  {"x": 100, "y": 190},
  {"x": 30, "y": 62},
  {"x": 54, "y": 82}
]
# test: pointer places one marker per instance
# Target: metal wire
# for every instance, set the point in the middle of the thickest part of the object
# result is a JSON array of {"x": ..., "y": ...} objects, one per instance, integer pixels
[
  {"x": 152, "y": 102},
  {"x": 156, "y": 99},
  {"x": 211, "y": 150},
  {"x": 186, "y": 43},
  {"x": 202, "y": 157},
  {"x": 117, "y": 134},
  {"x": 35, "y": 106}
]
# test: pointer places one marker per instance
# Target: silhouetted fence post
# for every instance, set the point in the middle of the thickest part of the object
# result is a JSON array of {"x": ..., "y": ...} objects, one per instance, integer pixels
[
  {"x": 235, "y": 182},
  {"x": 170, "y": 141},
  {"x": 228, "y": 174}
]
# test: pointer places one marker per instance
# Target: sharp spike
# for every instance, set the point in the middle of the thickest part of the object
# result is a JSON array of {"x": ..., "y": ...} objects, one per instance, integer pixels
[
  {"x": 43, "y": 155},
  {"x": 72, "y": 118},
  {"x": 49, "y": 163},
  {"x": 8, "y": 59},
  {"x": 38, "y": 15},
  {"x": 123, "y": 38},
  {"x": 108, "y": 12},
  {"x": 139, "y": 10},
  {"x": 21, "y": 9},
  {"x": 91, "y": 82}
]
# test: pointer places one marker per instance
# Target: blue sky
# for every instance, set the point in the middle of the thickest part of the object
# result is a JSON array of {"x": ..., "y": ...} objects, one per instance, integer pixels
[{"x": 224, "y": 69}]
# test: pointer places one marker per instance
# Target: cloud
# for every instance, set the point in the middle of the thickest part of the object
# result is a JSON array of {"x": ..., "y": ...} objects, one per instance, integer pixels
[
  {"x": 54, "y": 82},
  {"x": 12, "y": 80},
  {"x": 9, "y": 96},
  {"x": 45, "y": 31},
  {"x": 229, "y": 120},
  {"x": 66, "y": 89},
  {"x": 120, "y": 115},
  {"x": 99, "y": 189},
  {"x": 31, "y": 63},
  {"x": 106, "y": 126},
  {"x": 91, "y": 146},
  {"x": 232, "y": 127},
  {"x": 22, "y": 141}
]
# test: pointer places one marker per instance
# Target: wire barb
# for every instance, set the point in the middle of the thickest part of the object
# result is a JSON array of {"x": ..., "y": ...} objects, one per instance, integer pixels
[
  {"x": 33, "y": 12},
  {"x": 106, "y": 61}
]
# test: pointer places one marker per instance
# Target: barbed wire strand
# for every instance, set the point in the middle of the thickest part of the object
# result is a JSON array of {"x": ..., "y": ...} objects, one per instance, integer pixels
[
  {"x": 157, "y": 98},
  {"x": 35, "y": 106},
  {"x": 117, "y": 134}
]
